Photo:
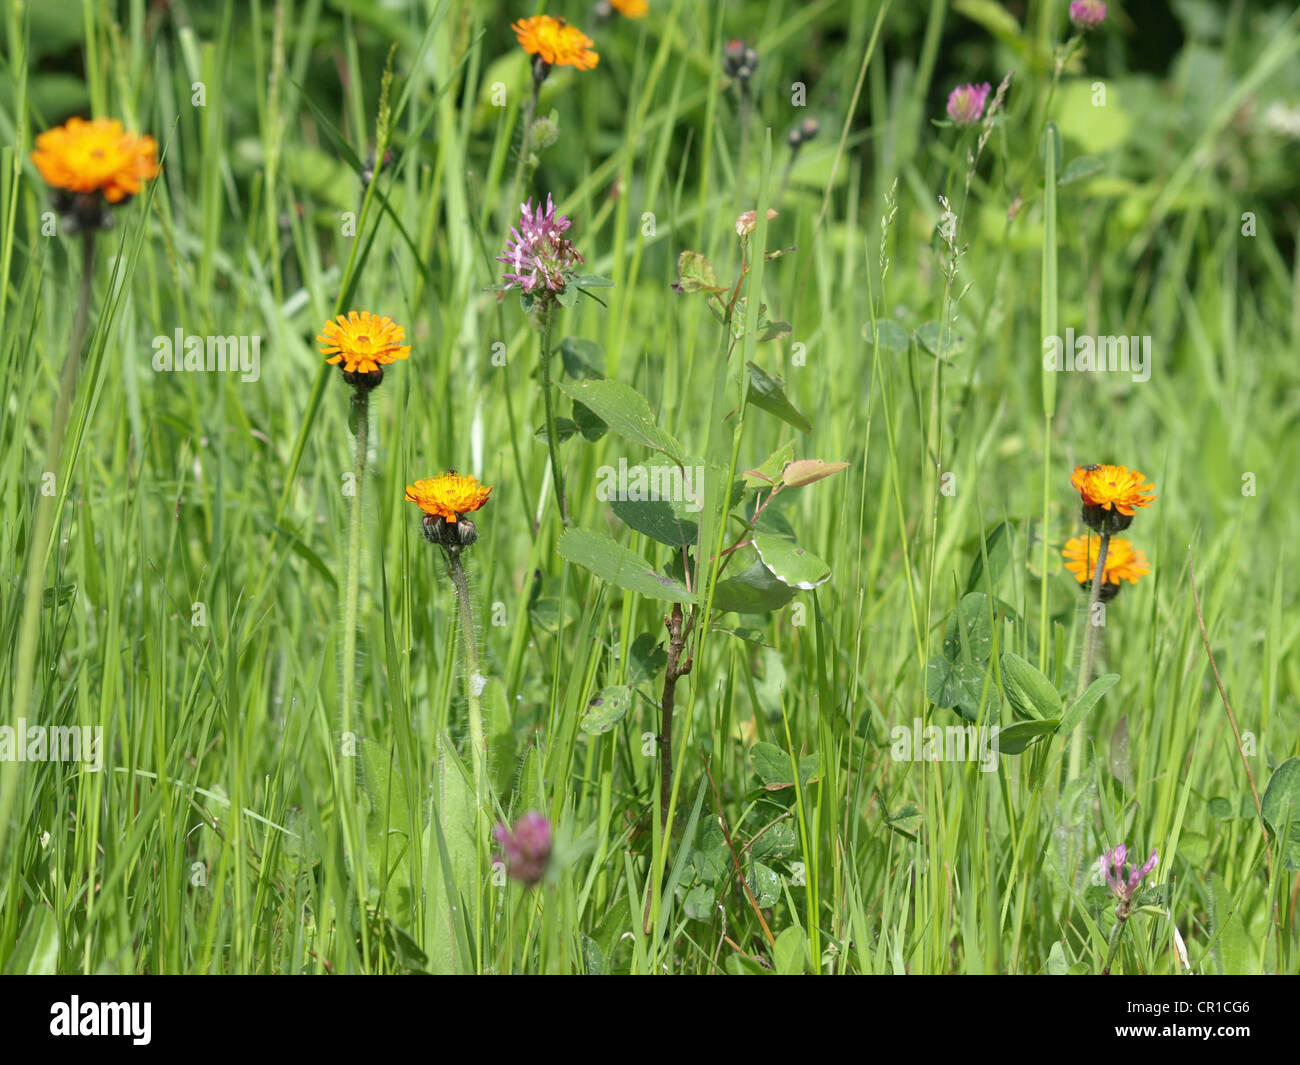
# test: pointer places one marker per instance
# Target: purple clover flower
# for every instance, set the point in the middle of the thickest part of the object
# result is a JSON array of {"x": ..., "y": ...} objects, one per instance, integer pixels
[
  {"x": 1087, "y": 14},
  {"x": 966, "y": 103},
  {"x": 537, "y": 252},
  {"x": 1121, "y": 886},
  {"x": 527, "y": 849}
]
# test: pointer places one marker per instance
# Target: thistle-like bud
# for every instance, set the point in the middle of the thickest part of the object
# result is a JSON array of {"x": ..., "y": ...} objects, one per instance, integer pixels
[
  {"x": 544, "y": 133},
  {"x": 740, "y": 61},
  {"x": 82, "y": 211},
  {"x": 364, "y": 380}
]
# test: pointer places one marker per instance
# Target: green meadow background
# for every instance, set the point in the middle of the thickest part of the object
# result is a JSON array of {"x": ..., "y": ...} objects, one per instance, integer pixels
[{"x": 193, "y": 601}]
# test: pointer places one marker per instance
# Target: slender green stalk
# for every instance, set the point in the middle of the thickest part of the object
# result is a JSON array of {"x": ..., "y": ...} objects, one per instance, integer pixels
[
  {"x": 1089, "y": 651},
  {"x": 469, "y": 646},
  {"x": 473, "y": 685},
  {"x": 361, "y": 419},
  {"x": 39, "y": 544},
  {"x": 526, "y": 144},
  {"x": 673, "y": 671},
  {"x": 1116, "y": 934},
  {"x": 1048, "y": 316},
  {"x": 552, "y": 444}
]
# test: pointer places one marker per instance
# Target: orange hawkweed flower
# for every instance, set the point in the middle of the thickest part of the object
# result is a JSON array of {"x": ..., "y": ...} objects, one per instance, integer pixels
[
  {"x": 631, "y": 8},
  {"x": 97, "y": 156},
  {"x": 363, "y": 342},
  {"x": 1113, "y": 486},
  {"x": 556, "y": 42},
  {"x": 449, "y": 496},
  {"x": 1123, "y": 561}
]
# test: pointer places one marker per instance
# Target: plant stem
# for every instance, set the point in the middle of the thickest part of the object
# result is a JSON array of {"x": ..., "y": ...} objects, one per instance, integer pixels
[
  {"x": 361, "y": 414},
  {"x": 1115, "y": 935},
  {"x": 526, "y": 143},
  {"x": 557, "y": 475},
  {"x": 469, "y": 645},
  {"x": 746, "y": 111},
  {"x": 39, "y": 544},
  {"x": 674, "y": 670},
  {"x": 1089, "y": 651}
]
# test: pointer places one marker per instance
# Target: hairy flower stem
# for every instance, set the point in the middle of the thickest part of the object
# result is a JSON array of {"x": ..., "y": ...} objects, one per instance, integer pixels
[
  {"x": 746, "y": 111},
  {"x": 526, "y": 143},
  {"x": 677, "y": 633},
  {"x": 552, "y": 444},
  {"x": 38, "y": 544},
  {"x": 1089, "y": 652},
  {"x": 675, "y": 669},
  {"x": 361, "y": 417},
  {"x": 469, "y": 645},
  {"x": 1116, "y": 933}
]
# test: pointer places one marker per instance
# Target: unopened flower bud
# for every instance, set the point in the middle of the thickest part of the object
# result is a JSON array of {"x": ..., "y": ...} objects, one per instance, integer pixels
[
  {"x": 746, "y": 222},
  {"x": 1087, "y": 14},
  {"x": 527, "y": 850},
  {"x": 740, "y": 61},
  {"x": 364, "y": 380},
  {"x": 545, "y": 132}
]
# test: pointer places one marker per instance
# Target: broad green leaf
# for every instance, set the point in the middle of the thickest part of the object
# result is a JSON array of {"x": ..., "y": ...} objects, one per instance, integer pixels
[
  {"x": 388, "y": 827},
  {"x": 587, "y": 423},
  {"x": 670, "y": 523},
  {"x": 500, "y": 734},
  {"x": 790, "y": 563},
  {"x": 779, "y": 841},
  {"x": 606, "y": 709},
  {"x": 764, "y": 883},
  {"x": 768, "y": 393},
  {"x": 754, "y": 591},
  {"x": 37, "y": 951},
  {"x": 969, "y": 634},
  {"x": 646, "y": 659},
  {"x": 997, "y": 546},
  {"x": 1222, "y": 808},
  {"x": 564, "y": 428},
  {"x": 788, "y": 954},
  {"x": 993, "y": 17},
  {"x": 938, "y": 340},
  {"x": 769, "y": 330},
  {"x": 710, "y": 855},
  {"x": 593, "y": 958},
  {"x": 1027, "y": 690},
  {"x": 452, "y": 852},
  {"x": 769, "y": 472},
  {"x": 959, "y": 686},
  {"x": 1013, "y": 739},
  {"x": 1281, "y": 806},
  {"x": 699, "y": 903},
  {"x": 582, "y": 358},
  {"x": 905, "y": 820},
  {"x": 625, "y": 411},
  {"x": 888, "y": 335},
  {"x": 1080, "y": 167},
  {"x": 774, "y": 769},
  {"x": 695, "y": 274},
  {"x": 1082, "y": 706},
  {"x": 612, "y": 562}
]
